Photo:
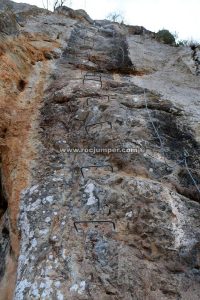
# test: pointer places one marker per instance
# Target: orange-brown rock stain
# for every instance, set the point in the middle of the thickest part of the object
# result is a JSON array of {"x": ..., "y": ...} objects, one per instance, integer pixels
[{"x": 19, "y": 112}]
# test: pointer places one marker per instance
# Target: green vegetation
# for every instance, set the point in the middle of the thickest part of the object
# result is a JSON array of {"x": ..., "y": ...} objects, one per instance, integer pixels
[
  {"x": 190, "y": 43},
  {"x": 166, "y": 37}
]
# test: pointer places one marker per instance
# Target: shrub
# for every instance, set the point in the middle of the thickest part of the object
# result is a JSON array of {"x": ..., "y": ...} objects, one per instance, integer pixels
[
  {"x": 190, "y": 43},
  {"x": 165, "y": 37},
  {"x": 115, "y": 17}
]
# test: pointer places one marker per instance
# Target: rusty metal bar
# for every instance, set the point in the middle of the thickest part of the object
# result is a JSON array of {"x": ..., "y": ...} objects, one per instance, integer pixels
[
  {"x": 94, "y": 73},
  {"x": 97, "y": 97},
  {"x": 92, "y": 77},
  {"x": 93, "y": 166},
  {"x": 78, "y": 55},
  {"x": 99, "y": 123},
  {"x": 90, "y": 39},
  {"x": 101, "y": 221}
]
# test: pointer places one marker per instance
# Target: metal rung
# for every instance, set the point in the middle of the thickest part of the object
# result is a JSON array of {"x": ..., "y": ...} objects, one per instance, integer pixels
[
  {"x": 99, "y": 123},
  {"x": 92, "y": 78},
  {"x": 85, "y": 222},
  {"x": 79, "y": 55},
  {"x": 93, "y": 166},
  {"x": 101, "y": 96},
  {"x": 93, "y": 74},
  {"x": 89, "y": 40}
]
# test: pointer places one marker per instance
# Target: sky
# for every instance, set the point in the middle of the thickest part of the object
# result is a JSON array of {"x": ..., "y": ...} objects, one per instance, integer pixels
[{"x": 180, "y": 16}]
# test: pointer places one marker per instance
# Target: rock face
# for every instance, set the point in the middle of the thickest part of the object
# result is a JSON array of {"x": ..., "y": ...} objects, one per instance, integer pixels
[{"x": 99, "y": 145}]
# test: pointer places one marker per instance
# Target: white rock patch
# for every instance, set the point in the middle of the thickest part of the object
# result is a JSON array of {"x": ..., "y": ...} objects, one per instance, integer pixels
[
  {"x": 79, "y": 288},
  {"x": 49, "y": 199},
  {"x": 129, "y": 214},
  {"x": 89, "y": 189}
]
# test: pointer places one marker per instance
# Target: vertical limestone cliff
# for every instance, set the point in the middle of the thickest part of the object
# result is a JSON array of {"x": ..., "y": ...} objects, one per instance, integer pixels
[{"x": 120, "y": 222}]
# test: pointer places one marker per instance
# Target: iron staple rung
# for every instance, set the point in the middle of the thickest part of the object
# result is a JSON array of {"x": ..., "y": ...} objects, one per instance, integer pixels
[
  {"x": 88, "y": 77},
  {"x": 93, "y": 75},
  {"x": 101, "y": 221},
  {"x": 89, "y": 39},
  {"x": 93, "y": 166},
  {"x": 99, "y": 123},
  {"x": 79, "y": 54},
  {"x": 97, "y": 97},
  {"x": 94, "y": 79}
]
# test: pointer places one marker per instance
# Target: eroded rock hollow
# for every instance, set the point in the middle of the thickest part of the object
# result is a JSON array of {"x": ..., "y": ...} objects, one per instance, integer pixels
[{"x": 99, "y": 160}]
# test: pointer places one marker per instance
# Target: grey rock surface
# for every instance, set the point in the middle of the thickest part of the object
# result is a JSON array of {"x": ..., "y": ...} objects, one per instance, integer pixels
[{"x": 111, "y": 209}]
